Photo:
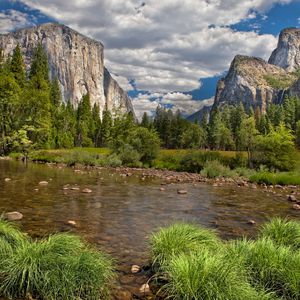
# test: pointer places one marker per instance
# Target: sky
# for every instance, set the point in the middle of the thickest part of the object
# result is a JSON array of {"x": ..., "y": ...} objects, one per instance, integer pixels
[{"x": 168, "y": 52}]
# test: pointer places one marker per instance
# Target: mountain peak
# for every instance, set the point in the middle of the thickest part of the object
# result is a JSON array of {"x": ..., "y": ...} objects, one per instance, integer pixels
[{"x": 287, "y": 53}]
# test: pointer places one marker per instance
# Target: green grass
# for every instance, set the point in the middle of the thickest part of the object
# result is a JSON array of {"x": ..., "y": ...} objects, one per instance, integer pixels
[
  {"x": 282, "y": 232},
  {"x": 177, "y": 239},
  {"x": 282, "y": 178},
  {"x": 195, "y": 264},
  {"x": 208, "y": 276},
  {"x": 61, "y": 266}
]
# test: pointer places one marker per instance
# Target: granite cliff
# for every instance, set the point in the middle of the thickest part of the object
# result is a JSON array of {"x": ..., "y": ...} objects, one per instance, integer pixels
[
  {"x": 258, "y": 83},
  {"x": 76, "y": 60}
]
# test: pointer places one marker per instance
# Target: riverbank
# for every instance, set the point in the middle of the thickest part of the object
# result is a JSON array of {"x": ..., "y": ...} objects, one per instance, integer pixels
[{"x": 174, "y": 165}]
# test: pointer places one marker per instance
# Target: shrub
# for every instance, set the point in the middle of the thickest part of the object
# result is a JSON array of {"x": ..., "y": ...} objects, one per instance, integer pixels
[
  {"x": 214, "y": 169},
  {"x": 179, "y": 238},
  {"x": 205, "y": 276},
  {"x": 58, "y": 267},
  {"x": 282, "y": 232},
  {"x": 276, "y": 178}
]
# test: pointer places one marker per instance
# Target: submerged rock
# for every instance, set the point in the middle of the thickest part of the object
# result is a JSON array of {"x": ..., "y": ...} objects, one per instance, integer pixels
[
  {"x": 291, "y": 198},
  {"x": 13, "y": 216},
  {"x": 7, "y": 179},
  {"x": 181, "y": 192},
  {"x": 145, "y": 289},
  {"x": 135, "y": 269},
  {"x": 296, "y": 206},
  {"x": 87, "y": 191},
  {"x": 43, "y": 182}
]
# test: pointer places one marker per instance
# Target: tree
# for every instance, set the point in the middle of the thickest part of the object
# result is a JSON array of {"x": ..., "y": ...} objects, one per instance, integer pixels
[
  {"x": 298, "y": 133},
  {"x": 97, "y": 125},
  {"x": 194, "y": 137},
  {"x": 85, "y": 125},
  {"x": 248, "y": 137},
  {"x": 39, "y": 66},
  {"x": 21, "y": 142},
  {"x": 145, "y": 120},
  {"x": 276, "y": 149},
  {"x": 106, "y": 128},
  {"x": 17, "y": 67}
]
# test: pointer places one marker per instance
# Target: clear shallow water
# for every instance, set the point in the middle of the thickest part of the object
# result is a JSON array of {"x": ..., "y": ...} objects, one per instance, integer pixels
[{"x": 121, "y": 212}]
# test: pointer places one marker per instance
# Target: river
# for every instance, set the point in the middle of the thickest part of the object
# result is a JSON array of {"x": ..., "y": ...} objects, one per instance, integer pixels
[{"x": 121, "y": 212}]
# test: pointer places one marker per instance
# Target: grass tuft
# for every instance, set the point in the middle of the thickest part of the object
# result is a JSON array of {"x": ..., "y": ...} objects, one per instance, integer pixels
[
  {"x": 61, "y": 266},
  {"x": 180, "y": 238}
]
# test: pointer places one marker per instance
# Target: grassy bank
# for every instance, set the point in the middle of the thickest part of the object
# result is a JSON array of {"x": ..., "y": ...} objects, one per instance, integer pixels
[
  {"x": 191, "y": 262},
  {"x": 210, "y": 164},
  {"x": 61, "y": 266}
]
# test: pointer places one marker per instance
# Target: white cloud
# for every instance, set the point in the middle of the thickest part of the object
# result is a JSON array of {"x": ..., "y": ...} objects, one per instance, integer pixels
[
  {"x": 176, "y": 101},
  {"x": 165, "y": 45},
  {"x": 11, "y": 19}
]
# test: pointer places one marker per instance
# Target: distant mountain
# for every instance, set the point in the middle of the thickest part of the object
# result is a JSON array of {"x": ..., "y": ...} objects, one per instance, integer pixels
[
  {"x": 258, "y": 83},
  {"x": 76, "y": 60},
  {"x": 206, "y": 108}
]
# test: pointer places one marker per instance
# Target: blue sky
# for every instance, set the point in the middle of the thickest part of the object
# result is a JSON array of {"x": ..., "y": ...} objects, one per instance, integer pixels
[{"x": 169, "y": 52}]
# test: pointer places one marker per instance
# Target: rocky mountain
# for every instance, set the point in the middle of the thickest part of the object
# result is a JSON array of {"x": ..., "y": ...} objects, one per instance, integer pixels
[
  {"x": 258, "y": 83},
  {"x": 76, "y": 60},
  {"x": 287, "y": 53}
]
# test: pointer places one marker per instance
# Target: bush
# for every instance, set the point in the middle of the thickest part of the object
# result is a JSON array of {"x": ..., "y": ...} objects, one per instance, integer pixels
[
  {"x": 179, "y": 238},
  {"x": 59, "y": 267},
  {"x": 282, "y": 232},
  {"x": 214, "y": 169},
  {"x": 205, "y": 276}
]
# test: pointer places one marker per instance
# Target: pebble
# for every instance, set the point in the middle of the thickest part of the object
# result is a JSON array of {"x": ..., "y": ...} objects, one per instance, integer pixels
[
  {"x": 135, "y": 269},
  {"x": 72, "y": 223},
  {"x": 7, "y": 179},
  {"x": 251, "y": 222},
  {"x": 162, "y": 189},
  {"x": 87, "y": 191},
  {"x": 13, "y": 216},
  {"x": 75, "y": 188},
  {"x": 296, "y": 207},
  {"x": 181, "y": 192},
  {"x": 145, "y": 289},
  {"x": 291, "y": 198},
  {"x": 43, "y": 182}
]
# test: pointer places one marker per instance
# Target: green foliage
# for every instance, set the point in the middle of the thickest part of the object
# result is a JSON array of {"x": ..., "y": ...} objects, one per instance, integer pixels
[
  {"x": 283, "y": 178},
  {"x": 179, "y": 239},
  {"x": 214, "y": 168},
  {"x": 58, "y": 267},
  {"x": 194, "y": 264},
  {"x": 280, "y": 81},
  {"x": 205, "y": 276},
  {"x": 276, "y": 149},
  {"x": 282, "y": 232},
  {"x": 39, "y": 66},
  {"x": 269, "y": 266},
  {"x": 17, "y": 67}
]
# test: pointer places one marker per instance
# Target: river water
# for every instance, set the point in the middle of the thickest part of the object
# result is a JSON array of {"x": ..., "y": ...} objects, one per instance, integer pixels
[{"x": 121, "y": 212}]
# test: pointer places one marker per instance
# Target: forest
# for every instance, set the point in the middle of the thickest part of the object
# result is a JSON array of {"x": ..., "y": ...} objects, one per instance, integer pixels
[{"x": 33, "y": 116}]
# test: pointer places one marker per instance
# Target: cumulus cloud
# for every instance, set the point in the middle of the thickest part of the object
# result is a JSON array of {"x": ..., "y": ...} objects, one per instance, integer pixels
[
  {"x": 11, "y": 19},
  {"x": 175, "y": 101},
  {"x": 165, "y": 45}
]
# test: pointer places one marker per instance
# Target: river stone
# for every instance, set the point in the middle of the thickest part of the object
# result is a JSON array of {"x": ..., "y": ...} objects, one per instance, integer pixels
[
  {"x": 181, "y": 192},
  {"x": 75, "y": 188},
  {"x": 291, "y": 198},
  {"x": 251, "y": 222},
  {"x": 135, "y": 269},
  {"x": 13, "y": 216},
  {"x": 145, "y": 289},
  {"x": 296, "y": 207},
  {"x": 7, "y": 179},
  {"x": 43, "y": 182},
  {"x": 162, "y": 189},
  {"x": 87, "y": 191},
  {"x": 72, "y": 223}
]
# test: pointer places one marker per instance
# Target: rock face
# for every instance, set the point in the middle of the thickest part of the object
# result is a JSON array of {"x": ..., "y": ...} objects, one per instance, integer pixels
[
  {"x": 258, "y": 83},
  {"x": 76, "y": 60},
  {"x": 287, "y": 53},
  {"x": 252, "y": 81}
]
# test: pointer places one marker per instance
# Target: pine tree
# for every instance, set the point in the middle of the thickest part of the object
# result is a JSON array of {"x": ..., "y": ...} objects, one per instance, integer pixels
[
  {"x": 85, "y": 124},
  {"x": 145, "y": 120},
  {"x": 55, "y": 93},
  {"x": 17, "y": 66},
  {"x": 106, "y": 127},
  {"x": 39, "y": 66},
  {"x": 97, "y": 125}
]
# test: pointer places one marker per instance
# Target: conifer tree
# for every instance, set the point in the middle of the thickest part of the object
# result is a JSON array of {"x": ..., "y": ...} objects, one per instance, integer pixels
[{"x": 17, "y": 66}]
